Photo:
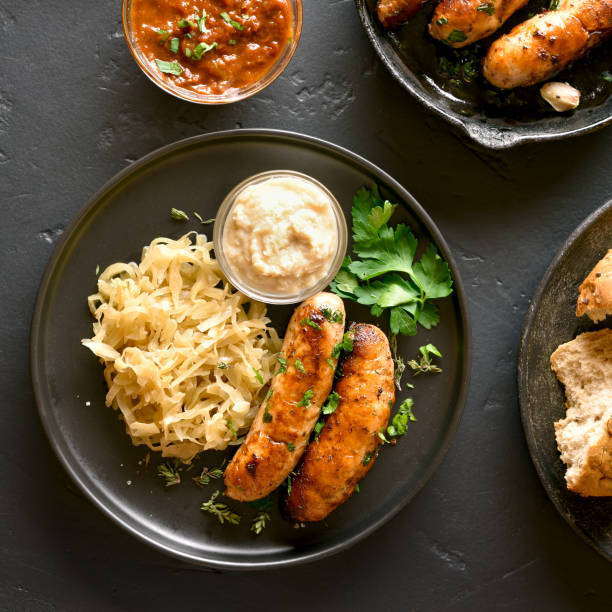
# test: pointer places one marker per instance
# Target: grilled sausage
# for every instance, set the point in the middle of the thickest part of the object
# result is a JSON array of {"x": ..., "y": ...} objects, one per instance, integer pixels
[
  {"x": 392, "y": 13},
  {"x": 462, "y": 22},
  {"x": 349, "y": 442},
  {"x": 540, "y": 47},
  {"x": 280, "y": 431}
]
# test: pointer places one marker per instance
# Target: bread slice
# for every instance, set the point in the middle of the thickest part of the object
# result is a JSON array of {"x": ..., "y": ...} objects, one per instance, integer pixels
[
  {"x": 595, "y": 299},
  {"x": 584, "y": 436}
]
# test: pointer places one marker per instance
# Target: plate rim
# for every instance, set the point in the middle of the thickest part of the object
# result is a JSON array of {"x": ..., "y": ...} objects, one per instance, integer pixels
[
  {"x": 522, "y": 366},
  {"x": 490, "y": 137},
  {"x": 37, "y": 378}
]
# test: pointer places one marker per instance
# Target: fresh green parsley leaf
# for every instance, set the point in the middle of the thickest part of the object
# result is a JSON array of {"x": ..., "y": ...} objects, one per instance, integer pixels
[
  {"x": 221, "y": 511},
  {"x": 401, "y": 322},
  {"x": 305, "y": 401},
  {"x": 487, "y": 8},
  {"x": 345, "y": 345},
  {"x": 357, "y": 489},
  {"x": 368, "y": 457},
  {"x": 346, "y": 283},
  {"x": 231, "y": 42},
  {"x": 330, "y": 363},
  {"x": 399, "y": 422},
  {"x": 369, "y": 214},
  {"x": 179, "y": 215},
  {"x": 289, "y": 481},
  {"x": 202, "y": 22},
  {"x": 169, "y": 67},
  {"x": 290, "y": 446},
  {"x": 207, "y": 475},
  {"x": 231, "y": 428},
  {"x": 554, "y": 5},
  {"x": 222, "y": 365},
  {"x": 318, "y": 428},
  {"x": 201, "y": 48},
  {"x": 267, "y": 417},
  {"x": 233, "y": 23},
  {"x": 381, "y": 435},
  {"x": 174, "y": 45},
  {"x": 260, "y": 522},
  {"x": 299, "y": 366},
  {"x": 169, "y": 473},
  {"x": 202, "y": 221},
  {"x": 424, "y": 365},
  {"x": 442, "y": 21},
  {"x": 308, "y": 321},
  {"x": 331, "y": 404},
  {"x": 283, "y": 365},
  {"x": 457, "y": 36},
  {"x": 606, "y": 75},
  {"x": 333, "y": 316}
]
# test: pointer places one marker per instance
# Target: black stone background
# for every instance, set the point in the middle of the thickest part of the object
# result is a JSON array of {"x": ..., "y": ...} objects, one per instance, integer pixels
[{"x": 482, "y": 535}]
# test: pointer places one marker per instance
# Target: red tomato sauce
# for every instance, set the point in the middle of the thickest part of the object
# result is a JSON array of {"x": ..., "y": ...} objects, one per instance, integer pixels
[{"x": 211, "y": 46}]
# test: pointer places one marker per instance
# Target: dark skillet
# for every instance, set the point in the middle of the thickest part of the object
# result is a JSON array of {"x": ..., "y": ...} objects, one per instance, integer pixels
[
  {"x": 550, "y": 321},
  {"x": 450, "y": 84}
]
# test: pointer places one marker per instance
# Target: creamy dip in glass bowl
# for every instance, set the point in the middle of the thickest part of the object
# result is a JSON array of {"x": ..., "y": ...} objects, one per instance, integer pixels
[{"x": 280, "y": 236}]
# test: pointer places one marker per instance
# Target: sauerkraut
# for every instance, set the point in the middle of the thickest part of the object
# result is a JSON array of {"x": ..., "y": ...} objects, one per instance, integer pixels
[{"x": 185, "y": 355}]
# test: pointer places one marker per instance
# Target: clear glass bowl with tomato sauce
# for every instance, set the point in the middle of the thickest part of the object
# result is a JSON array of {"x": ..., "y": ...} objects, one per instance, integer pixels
[{"x": 212, "y": 51}]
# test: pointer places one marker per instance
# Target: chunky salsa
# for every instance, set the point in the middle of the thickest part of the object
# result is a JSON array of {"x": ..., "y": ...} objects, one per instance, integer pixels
[{"x": 211, "y": 46}]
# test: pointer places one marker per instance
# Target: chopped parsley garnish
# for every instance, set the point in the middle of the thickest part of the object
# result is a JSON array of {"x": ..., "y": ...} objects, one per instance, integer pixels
[
  {"x": 299, "y": 366},
  {"x": 424, "y": 365},
  {"x": 231, "y": 42},
  {"x": 345, "y": 345},
  {"x": 387, "y": 276},
  {"x": 368, "y": 457},
  {"x": 606, "y": 75},
  {"x": 318, "y": 428},
  {"x": 201, "y": 48},
  {"x": 442, "y": 21},
  {"x": 289, "y": 480},
  {"x": 267, "y": 417},
  {"x": 333, "y": 316},
  {"x": 202, "y": 221},
  {"x": 258, "y": 376},
  {"x": 357, "y": 489},
  {"x": 169, "y": 67},
  {"x": 163, "y": 36},
  {"x": 487, "y": 8},
  {"x": 291, "y": 446},
  {"x": 221, "y": 511},
  {"x": 399, "y": 422},
  {"x": 233, "y": 23},
  {"x": 186, "y": 23},
  {"x": 283, "y": 365},
  {"x": 331, "y": 363},
  {"x": 554, "y": 5},
  {"x": 174, "y": 45},
  {"x": 331, "y": 404},
  {"x": 231, "y": 428},
  {"x": 457, "y": 36},
  {"x": 169, "y": 473},
  {"x": 310, "y": 322},
  {"x": 305, "y": 401},
  {"x": 268, "y": 395},
  {"x": 179, "y": 215},
  {"x": 207, "y": 475},
  {"x": 222, "y": 365}
]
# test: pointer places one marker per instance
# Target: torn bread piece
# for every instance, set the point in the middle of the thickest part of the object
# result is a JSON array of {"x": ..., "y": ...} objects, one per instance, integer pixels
[
  {"x": 584, "y": 436},
  {"x": 595, "y": 299}
]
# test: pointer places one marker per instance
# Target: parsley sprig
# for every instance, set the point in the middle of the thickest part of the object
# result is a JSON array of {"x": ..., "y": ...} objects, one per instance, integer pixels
[{"x": 387, "y": 276}]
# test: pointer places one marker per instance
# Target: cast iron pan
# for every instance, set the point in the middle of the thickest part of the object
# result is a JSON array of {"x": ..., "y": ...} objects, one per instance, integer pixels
[
  {"x": 550, "y": 321},
  {"x": 127, "y": 213},
  {"x": 491, "y": 117}
]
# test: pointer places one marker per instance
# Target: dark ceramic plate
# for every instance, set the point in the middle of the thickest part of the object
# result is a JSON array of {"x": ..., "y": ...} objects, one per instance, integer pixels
[
  {"x": 127, "y": 213},
  {"x": 448, "y": 82},
  {"x": 550, "y": 321}
]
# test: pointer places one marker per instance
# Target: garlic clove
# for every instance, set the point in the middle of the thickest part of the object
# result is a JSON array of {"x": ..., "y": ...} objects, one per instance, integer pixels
[{"x": 561, "y": 96}]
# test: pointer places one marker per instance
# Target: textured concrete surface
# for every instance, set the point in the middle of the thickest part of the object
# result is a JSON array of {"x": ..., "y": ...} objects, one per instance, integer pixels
[{"x": 75, "y": 109}]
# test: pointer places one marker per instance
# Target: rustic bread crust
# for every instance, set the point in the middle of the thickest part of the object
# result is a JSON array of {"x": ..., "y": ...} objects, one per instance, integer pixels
[
  {"x": 595, "y": 299},
  {"x": 596, "y": 478}
]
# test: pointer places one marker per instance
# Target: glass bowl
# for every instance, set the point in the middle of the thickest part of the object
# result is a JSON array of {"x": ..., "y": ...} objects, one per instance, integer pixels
[
  {"x": 231, "y": 95},
  {"x": 275, "y": 298}
]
